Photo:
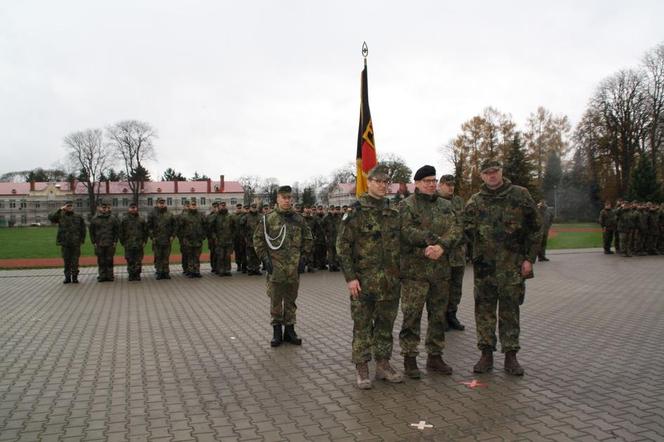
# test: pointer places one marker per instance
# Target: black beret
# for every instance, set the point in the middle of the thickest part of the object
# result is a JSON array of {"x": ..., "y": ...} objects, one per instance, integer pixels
[{"x": 424, "y": 172}]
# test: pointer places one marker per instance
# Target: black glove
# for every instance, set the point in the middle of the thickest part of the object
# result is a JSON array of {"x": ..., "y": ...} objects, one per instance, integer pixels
[
  {"x": 302, "y": 264},
  {"x": 267, "y": 265}
]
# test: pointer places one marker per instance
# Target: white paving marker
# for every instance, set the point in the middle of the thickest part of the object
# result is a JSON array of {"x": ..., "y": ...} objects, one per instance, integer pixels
[{"x": 421, "y": 425}]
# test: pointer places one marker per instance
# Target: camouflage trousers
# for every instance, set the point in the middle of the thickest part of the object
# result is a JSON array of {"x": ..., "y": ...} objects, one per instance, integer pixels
[
  {"x": 320, "y": 255},
  {"x": 616, "y": 241},
  {"x": 105, "y": 256},
  {"x": 282, "y": 301},
  {"x": 456, "y": 286},
  {"x": 253, "y": 263},
  {"x": 70, "y": 255},
  {"x": 607, "y": 239},
  {"x": 223, "y": 260},
  {"x": 506, "y": 299},
  {"x": 212, "y": 247},
  {"x": 626, "y": 243},
  {"x": 545, "y": 239},
  {"x": 134, "y": 258},
  {"x": 184, "y": 253},
  {"x": 193, "y": 261},
  {"x": 162, "y": 253},
  {"x": 373, "y": 322},
  {"x": 240, "y": 251},
  {"x": 414, "y": 296}
]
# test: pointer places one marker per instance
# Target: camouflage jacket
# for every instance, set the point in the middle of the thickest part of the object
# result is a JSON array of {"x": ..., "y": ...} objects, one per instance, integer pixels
[
  {"x": 209, "y": 225},
  {"x": 643, "y": 222},
  {"x": 71, "y": 228},
  {"x": 331, "y": 227},
  {"x": 290, "y": 236},
  {"x": 161, "y": 224},
  {"x": 191, "y": 228},
  {"x": 607, "y": 218},
  {"x": 622, "y": 220},
  {"x": 457, "y": 256},
  {"x": 368, "y": 245},
  {"x": 104, "y": 229},
  {"x": 503, "y": 227},
  {"x": 427, "y": 220},
  {"x": 319, "y": 232},
  {"x": 546, "y": 215},
  {"x": 223, "y": 228},
  {"x": 134, "y": 231},
  {"x": 248, "y": 225}
]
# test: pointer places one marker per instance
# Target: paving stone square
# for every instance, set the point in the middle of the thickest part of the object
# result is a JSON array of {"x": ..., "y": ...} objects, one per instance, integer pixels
[{"x": 182, "y": 359}]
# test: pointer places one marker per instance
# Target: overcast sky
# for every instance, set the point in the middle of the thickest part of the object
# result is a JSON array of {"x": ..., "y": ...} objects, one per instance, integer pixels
[{"x": 272, "y": 88}]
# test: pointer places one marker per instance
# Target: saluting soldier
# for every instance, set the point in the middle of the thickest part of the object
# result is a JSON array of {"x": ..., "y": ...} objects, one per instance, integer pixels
[
  {"x": 368, "y": 247},
  {"x": 104, "y": 233},
  {"x": 162, "y": 226},
  {"x": 134, "y": 233},
  {"x": 280, "y": 239},
  {"x": 71, "y": 235}
]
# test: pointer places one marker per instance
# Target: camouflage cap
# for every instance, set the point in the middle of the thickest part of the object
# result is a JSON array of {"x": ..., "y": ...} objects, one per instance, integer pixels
[
  {"x": 215, "y": 204},
  {"x": 253, "y": 206},
  {"x": 238, "y": 206},
  {"x": 379, "y": 172},
  {"x": 490, "y": 164},
  {"x": 69, "y": 203},
  {"x": 104, "y": 202},
  {"x": 161, "y": 200},
  {"x": 448, "y": 179},
  {"x": 285, "y": 190}
]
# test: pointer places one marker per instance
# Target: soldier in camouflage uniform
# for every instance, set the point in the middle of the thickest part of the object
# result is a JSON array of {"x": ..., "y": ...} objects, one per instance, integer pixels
[
  {"x": 239, "y": 246},
  {"x": 607, "y": 219},
  {"x": 209, "y": 222},
  {"x": 248, "y": 225},
  {"x": 223, "y": 232},
  {"x": 368, "y": 247},
  {"x": 161, "y": 224},
  {"x": 191, "y": 231},
  {"x": 320, "y": 243},
  {"x": 104, "y": 233},
  {"x": 184, "y": 251},
  {"x": 134, "y": 233},
  {"x": 503, "y": 228},
  {"x": 71, "y": 235},
  {"x": 546, "y": 215},
  {"x": 280, "y": 238},
  {"x": 307, "y": 262},
  {"x": 456, "y": 256},
  {"x": 330, "y": 227},
  {"x": 429, "y": 228}
]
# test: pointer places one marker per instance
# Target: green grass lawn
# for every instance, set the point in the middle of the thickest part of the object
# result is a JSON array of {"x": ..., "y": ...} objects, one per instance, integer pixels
[
  {"x": 575, "y": 240},
  {"x": 39, "y": 242}
]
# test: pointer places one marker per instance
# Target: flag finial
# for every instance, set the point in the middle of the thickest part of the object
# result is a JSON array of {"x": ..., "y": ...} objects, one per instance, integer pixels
[{"x": 365, "y": 49}]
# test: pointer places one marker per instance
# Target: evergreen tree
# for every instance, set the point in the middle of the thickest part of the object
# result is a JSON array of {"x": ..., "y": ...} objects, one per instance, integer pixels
[
  {"x": 308, "y": 196},
  {"x": 516, "y": 167},
  {"x": 552, "y": 175},
  {"x": 171, "y": 175},
  {"x": 643, "y": 182}
]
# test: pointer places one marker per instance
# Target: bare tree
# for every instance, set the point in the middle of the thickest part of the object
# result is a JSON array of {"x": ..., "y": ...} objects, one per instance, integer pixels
[
  {"x": 86, "y": 149},
  {"x": 653, "y": 66},
  {"x": 546, "y": 133},
  {"x": 250, "y": 184},
  {"x": 132, "y": 140}
]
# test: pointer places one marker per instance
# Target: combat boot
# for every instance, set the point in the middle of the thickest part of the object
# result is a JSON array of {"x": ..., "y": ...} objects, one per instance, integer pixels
[
  {"x": 165, "y": 276},
  {"x": 363, "y": 381},
  {"x": 277, "y": 336},
  {"x": 67, "y": 279},
  {"x": 436, "y": 363},
  {"x": 512, "y": 365},
  {"x": 410, "y": 367},
  {"x": 158, "y": 276},
  {"x": 485, "y": 363},
  {"x": 74, "y": 279},
  {"x": 291, "y": 336},
  {"x": 453, "y": 322},
  {"x": 384, "y": 371}
]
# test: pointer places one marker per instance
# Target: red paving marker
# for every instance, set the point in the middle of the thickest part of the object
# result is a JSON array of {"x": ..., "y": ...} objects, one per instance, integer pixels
[{"x": 474, "y": 384}]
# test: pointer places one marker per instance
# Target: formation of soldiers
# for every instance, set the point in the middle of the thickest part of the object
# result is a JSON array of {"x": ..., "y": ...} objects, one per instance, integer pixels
[
  {"x": 633, "y": 228},
  {"x": 410, "y": 255}
]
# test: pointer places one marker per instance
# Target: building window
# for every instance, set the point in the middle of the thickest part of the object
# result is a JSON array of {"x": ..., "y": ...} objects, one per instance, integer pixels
[
  {"x": 125, "y": 202},
  {"x": 12, "y": 204},
  {"x": 24, "y": 219},
  {"x": 37, "y": 204},
  {"x": 114, "y": 202},
  {"x": 2, "y": 204},
  {"x": 79, "y": 203},
  {"x": 169, "y": 201},
  {"x": 202, "y": 201},
  {"x": 149, "y": 201},
  {"x": 24, "y": 204},
  {"x": 183, "y": 201},
  {"x": 233, "y": 201},
  {"x": 193, "y": 199}
]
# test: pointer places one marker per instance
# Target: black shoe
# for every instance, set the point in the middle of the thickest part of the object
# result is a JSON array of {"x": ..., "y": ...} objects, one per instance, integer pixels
[
  {"x": 190, "y": 275},
  {"x": 74, "y": 279},
  {"x": 291, "y": 336},
  {"x": 543, "y": 258},
  {"x": 165, "y": 276},
  {"x": 277, "y": 336},
  {"x": 67, "y": 280},
  {"x": 197, "y": 275},
  {"x": 158, "y": 276},
  {"x": 453, "y": 322}
]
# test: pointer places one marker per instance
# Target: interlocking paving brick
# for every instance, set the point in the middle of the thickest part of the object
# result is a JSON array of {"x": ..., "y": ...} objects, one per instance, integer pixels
[{"x": 190, "y": 360}]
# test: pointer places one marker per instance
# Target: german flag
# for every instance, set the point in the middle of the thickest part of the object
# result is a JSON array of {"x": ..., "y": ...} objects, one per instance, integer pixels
[{"x": 366, "y": 147}]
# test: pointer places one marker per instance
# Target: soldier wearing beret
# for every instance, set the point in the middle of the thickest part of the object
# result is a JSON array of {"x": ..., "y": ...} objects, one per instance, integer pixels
[
  {"x": 429, "y": 229},
  {"x": 134, "y": 233},
  {"x": 104, "y": 234},
  {"x": 456, "y": 256},
  {"x": 503, "y": 228},
  {"x": 368, "y": 247},
  {"x": 71, "y": 235},
  {"x": 162, "y": 226},
  {"x": 280, "y": 239}
]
